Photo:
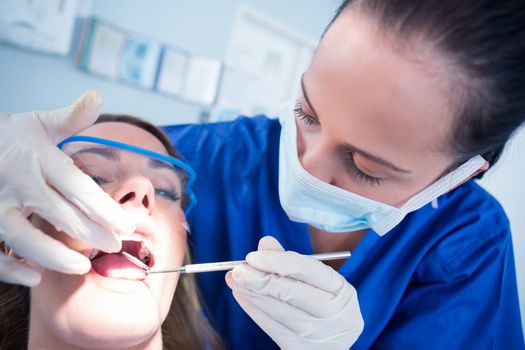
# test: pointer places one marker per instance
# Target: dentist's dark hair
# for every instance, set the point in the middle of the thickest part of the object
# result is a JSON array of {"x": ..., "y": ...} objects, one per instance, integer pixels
[{"x": 483, "y": 45}]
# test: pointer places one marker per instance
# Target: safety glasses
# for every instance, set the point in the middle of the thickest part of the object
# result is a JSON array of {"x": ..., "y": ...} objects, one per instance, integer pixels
[{"x": 113, "y": 164}]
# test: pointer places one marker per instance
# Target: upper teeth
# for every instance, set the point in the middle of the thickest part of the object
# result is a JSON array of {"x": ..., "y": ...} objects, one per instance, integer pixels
[
  {"x": 132, "y": 237},
  {"x": 143, "y": 251},
  {"x": 94, "y": 253}
]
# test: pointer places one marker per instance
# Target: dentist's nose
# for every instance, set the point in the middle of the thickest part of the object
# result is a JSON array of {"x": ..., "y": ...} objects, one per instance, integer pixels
[
  {"x": 137, "y": 192},
  {"x": 315, "y": 156}
]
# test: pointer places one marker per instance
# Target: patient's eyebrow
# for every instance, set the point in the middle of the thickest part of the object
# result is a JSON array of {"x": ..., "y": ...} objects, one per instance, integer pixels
[{"x": 104, "y": 152}]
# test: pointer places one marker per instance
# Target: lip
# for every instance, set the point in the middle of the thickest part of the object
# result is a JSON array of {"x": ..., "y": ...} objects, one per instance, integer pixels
[
  {"x": 141, "y": 234},
  {"x": 118, "y": 285}
]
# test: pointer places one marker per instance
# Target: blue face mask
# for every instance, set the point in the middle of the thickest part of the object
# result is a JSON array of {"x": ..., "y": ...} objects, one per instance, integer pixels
[{"x": 309, "y": 200}]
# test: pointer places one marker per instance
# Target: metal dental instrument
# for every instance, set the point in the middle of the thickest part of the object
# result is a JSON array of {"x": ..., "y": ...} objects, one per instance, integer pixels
[
  {"x": 136, "y": 261},
  {"x": 225, "y": 265}
]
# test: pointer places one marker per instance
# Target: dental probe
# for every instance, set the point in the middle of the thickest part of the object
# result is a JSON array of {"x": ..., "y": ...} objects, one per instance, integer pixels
[{"x": 228, "y": 265}]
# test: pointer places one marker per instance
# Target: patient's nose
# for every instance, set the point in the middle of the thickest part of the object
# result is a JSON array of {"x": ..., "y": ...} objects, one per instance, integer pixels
[{"x": 136, "y": 192}]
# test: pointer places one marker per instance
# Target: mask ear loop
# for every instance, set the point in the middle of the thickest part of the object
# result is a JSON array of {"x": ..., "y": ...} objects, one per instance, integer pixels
[{"x": 435, "y": 190}]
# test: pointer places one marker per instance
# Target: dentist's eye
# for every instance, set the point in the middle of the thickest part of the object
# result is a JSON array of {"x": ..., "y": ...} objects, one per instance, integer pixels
[
  {"x": 359, "y": 174},
  {"x": 305, "y": 117},
  {"x": 168, "y": 194}
]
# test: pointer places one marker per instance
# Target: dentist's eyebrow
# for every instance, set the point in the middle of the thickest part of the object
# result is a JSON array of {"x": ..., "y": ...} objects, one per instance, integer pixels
[
  {"x": 306, "y": 97},
  {"x": 104, "y": 152}
]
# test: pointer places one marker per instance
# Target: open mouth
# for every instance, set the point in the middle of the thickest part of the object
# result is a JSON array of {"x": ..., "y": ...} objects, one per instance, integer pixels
[{"x": 116, "y": 265}]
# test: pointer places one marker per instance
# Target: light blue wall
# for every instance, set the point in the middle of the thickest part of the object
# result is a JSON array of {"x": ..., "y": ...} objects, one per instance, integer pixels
[{"x": 30, "y": 80}]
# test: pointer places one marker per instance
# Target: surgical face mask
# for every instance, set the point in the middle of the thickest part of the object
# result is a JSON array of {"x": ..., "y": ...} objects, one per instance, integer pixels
[
  {"x": 110, "y": 164},
  {"x": 309, "y": 200}
]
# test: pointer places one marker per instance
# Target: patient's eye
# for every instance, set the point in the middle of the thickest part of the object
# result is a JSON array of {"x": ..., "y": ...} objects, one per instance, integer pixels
[
  {"x": 99, "y": 180},
  {"x": 168, "y": 194}
]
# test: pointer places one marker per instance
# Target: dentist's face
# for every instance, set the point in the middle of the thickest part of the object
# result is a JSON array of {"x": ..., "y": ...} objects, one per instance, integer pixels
[
  {"x": 374, "y": 115},
  {"x": 116, "y": 304}
]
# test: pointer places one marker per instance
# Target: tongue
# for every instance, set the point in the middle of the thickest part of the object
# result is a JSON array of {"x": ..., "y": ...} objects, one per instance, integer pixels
[{"x": 117, "y": 266}]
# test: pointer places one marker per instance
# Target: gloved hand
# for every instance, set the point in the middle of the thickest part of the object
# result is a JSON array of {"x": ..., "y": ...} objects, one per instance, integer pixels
[
  {"x": 36, "y": 177},
  {"x": 298, "y": 301}
]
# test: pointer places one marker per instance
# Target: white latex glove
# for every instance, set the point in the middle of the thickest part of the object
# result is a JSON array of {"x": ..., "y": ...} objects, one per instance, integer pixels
[
  {"x": 298, "y": 301},
  {"x": 36, "y": 177}
]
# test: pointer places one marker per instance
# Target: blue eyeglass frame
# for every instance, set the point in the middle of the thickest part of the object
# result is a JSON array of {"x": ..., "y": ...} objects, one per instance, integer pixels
[{"x": 146, "y": 152}]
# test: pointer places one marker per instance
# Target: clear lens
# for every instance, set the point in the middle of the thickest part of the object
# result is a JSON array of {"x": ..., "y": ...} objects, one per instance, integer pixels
[{"x": 121, "y": 168}]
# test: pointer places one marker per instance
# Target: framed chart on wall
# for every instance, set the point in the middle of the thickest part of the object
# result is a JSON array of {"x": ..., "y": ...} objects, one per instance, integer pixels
[
  {"x": 39, "y": 25},
  {"x": 264, "y": 62},
  {"x": 190, "y": 77},
  {"x": 111, "y": 53},
  {"x": 172, "y": 71}
]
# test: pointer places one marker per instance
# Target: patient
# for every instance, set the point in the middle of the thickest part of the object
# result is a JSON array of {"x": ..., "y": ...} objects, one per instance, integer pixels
[{"x": 116, "y": 305}]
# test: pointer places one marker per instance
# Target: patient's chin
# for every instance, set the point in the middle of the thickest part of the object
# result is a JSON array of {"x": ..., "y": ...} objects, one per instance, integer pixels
[
  {"x": 112, "y": 332},
  {"x": 91, "y": 311},
  {"x": 106, "y": 324}
]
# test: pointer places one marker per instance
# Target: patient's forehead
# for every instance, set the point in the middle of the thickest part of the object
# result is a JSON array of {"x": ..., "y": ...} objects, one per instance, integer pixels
[{"x": 126, "y": 133}]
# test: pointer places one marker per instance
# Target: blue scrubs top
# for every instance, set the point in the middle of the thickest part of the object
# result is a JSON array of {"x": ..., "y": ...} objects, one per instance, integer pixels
[{"x": 444, "y": 278}]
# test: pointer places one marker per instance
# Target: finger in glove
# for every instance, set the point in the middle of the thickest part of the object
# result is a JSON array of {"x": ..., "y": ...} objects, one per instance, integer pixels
[
  {"x": 67, "y": 121},
  {"x": 297, "y": 266},
  {"x": 85, "y": 194},
  {"x": 16, "y": 272},
  {"x": 311, "y": 299},
  {"x": 279, "y": 313},
  {"x": 28, "y": 242}
]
